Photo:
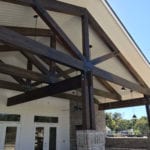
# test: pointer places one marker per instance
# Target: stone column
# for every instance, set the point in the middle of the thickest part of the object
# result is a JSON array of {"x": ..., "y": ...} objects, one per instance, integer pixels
[
  {"x": 148, "y": 141},
  {"x": 90, "y": 140}
]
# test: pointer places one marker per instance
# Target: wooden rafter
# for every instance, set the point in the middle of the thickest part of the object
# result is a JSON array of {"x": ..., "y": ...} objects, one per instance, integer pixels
[
  {"x": 105, "y": 94},
  {"x": 109, "y": 88},
  {"x": 125, "y": 103},
  {"x": 75, "y": 10},
  {"x": 103, "y": 58},
  {"x": 36, "y": 62},
  {"x": 53, "y": 89},
  {"x": 26, "y": 31},
  {"x": 18, "y": 79},
  {"x": 22, "y": 73},
  {"x": 54, "y": 27},
  {"x": 52, "y": 5},
  {"x": 26, "y": 44},
  {"x": 12, "y": 86}
]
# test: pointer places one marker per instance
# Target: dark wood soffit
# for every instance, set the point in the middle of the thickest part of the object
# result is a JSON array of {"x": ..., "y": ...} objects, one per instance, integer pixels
[
  {"x": 125, "y": 103},
  {"x": 59, "y": 87}
]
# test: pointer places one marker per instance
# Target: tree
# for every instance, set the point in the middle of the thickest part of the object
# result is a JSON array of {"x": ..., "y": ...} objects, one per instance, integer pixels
[{"x": 141, "y": 126}]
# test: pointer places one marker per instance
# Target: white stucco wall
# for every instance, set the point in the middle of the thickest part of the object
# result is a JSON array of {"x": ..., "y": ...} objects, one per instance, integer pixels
[{"x": 49, "y": 106}]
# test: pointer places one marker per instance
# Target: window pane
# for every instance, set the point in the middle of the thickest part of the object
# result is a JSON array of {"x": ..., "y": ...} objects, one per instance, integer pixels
[
  {"x": 52, "y": 138},
  {"x": 39, "y": 138},
  {"x": 10, "y": 138},
  {"x": 46, "y": 119},
  {"x": 9, "y": 117}
]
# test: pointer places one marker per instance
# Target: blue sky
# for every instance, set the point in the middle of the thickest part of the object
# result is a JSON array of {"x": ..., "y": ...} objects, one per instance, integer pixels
[{"x": 135, "y": 15}]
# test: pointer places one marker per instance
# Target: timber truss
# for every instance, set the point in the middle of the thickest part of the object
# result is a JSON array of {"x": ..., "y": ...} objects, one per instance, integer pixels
[{"x": 58, "y": 81}]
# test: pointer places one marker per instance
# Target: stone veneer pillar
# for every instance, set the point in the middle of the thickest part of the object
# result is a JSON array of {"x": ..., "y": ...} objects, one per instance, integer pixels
[
  {"x": 90, "y": 140},
  {"x": 93, "y": 139}
]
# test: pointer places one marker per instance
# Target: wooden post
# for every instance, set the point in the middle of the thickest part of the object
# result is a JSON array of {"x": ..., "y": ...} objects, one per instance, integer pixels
[
  {"x": 147, "y": 106},
  {"x": 87, "y": 81}
]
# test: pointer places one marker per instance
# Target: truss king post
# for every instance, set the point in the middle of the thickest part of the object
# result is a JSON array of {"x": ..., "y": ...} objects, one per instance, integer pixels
[{"x": 87, "y": 81}]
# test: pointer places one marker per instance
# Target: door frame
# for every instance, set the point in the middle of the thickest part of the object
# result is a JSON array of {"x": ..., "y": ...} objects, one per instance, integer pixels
[
  {"x": 3, "y": 126},
  {"x": 46, "y": 127}
]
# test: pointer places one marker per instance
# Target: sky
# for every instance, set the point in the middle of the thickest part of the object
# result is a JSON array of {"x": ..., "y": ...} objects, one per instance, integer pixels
[{"x": 135, "y": 15}]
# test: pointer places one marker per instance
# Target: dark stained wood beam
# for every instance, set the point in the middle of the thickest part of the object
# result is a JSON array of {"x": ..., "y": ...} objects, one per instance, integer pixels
[
  {"x": 12, "y": 86},
  {"x": 22, "y": 73},
  {"x": 88, "y": 112},
  {"x": 120, "y": 81},
  {"x": 40, "y": 10},
  {"x": 61, "y": 72},
  {"x": 52, "y": 6},
  {"x": 18, "y": 79},
  {"x": 102, "y": 93},
  {"x": 29, "y": 67},
  {"x": 59, "y": 87},
  {"x": 147, "y": 106},
  {"x": 29, "y": 45},
  {"x": 36, "y": 62},
  {"x": 103, "y": 58},
  {"x": 6, "y": 48},
  {"x": 26, "y": 44},
  {"x": 125, "y": 103},
  {"x": 109, "y": 88},
  {"x": 26, "y": 31}
]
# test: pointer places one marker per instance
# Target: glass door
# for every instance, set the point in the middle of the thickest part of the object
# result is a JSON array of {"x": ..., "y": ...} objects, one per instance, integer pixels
[
  {"x": 9, "y": 136},
  {"x": 45, "y": 137}
]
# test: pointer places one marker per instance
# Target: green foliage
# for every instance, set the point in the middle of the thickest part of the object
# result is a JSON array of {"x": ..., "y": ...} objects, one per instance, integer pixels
[{"x": 116, "y": 123}]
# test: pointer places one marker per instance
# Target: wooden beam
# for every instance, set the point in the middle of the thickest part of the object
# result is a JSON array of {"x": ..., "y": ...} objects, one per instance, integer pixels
[
  {"x": 109, "y": 88},
  {"x": 147, "y": 106},
  {"x": 52, "y": 6},
  {"x": 26, "y": 31},
  {"x": 29, "y": 67},
  {"x": 60, "y": 87},
  {"x": 120, "y": 81},
  {"x": 125, "y": 103},
  {"x": 38, "y": 7},
  {"x": 22, "y": 73},
  {"x": 18, "y": 79},
  {"x": 85, "y": 37},
  {"x": 6, "y": 48},
  {"x": 103, "y": 58},
  {"x": 29, "y": 45},
  {"x": 26, "y": 44},
  {"x": 36, "y": 62},
  {"x": 102, "y": 93},
  {"x": 12, "y": 86}
]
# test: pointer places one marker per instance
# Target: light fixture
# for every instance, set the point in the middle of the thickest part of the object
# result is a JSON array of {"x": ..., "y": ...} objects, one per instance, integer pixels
[
  {"x": 123, "y": 88},
  {"x": 134, "y": 116}
]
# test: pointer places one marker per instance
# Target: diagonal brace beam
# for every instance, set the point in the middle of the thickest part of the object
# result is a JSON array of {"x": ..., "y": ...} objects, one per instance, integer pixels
[
  {"x": 103, "y": 58},
  {"x": 55, "y": 27},
  {"x": 60, "y": 87}
]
